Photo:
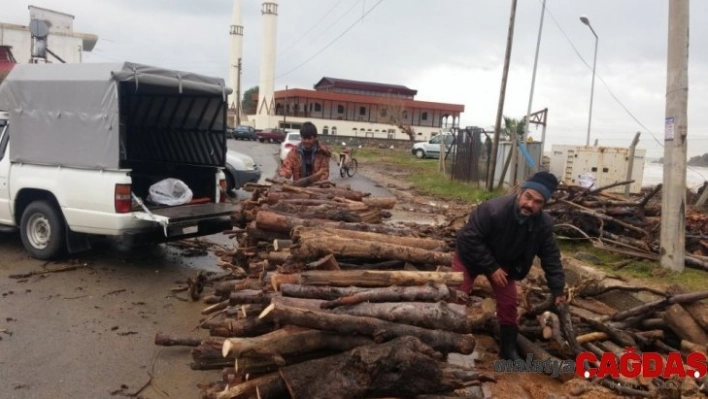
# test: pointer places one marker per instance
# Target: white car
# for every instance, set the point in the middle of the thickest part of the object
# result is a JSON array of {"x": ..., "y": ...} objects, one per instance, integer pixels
[
  {"x": 240, "y": 169},
  {"x": 431, "y": 148},
  {"x": 292, "y": 139}
]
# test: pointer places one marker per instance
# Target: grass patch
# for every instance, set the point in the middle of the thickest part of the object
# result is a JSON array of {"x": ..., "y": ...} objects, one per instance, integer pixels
[
  {"x": 423, "y": 174},
  {"x": 691, "y": 279}
]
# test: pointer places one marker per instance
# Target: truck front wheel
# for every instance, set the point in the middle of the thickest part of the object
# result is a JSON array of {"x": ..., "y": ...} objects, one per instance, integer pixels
[{"x": 42, "y": 230}]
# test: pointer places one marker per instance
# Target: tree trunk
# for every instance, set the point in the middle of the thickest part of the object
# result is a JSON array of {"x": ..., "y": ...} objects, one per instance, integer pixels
[
  {"x": 442, "y": 341},
  {"x": 681, "y": 322},
  {"x": 249, "y": 297},
  {"x": 404, "y": 367},
  {"x": 420, "y": 293},
  {"x": 170, "y": 340},
  {"x": 318, "y": 292},
  {"x": 304, "y": 233},
  {"x": 376, "y": 278},
  {"x": 434, "y": 316},
  {"x": 274, "y": 222},
  {"x": 313, "y": 248},
  {"x": 278, "y": 258},
  {"x": 380, "y": 202},
  {"x": 267, "y": 386},
  {"x": 294, "y": 343},
  {"x": 250, "y": 327}
]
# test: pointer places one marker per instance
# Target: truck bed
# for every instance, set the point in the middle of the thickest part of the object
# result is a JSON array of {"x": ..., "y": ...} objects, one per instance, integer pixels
[{"x": 181, "y": 213}]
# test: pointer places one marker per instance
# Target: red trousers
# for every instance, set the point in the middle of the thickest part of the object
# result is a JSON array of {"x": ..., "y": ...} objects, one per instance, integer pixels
[{"x": 505, "y": 296}]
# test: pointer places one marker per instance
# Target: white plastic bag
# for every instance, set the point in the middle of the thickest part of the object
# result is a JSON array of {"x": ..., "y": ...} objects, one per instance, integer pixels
[
  {"x": 170, "y": 192},
  {"x": 586, "y": 180}
]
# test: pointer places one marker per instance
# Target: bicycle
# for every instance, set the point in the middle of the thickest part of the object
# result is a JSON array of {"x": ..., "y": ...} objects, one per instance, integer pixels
[{"x": 347, "y": 164}]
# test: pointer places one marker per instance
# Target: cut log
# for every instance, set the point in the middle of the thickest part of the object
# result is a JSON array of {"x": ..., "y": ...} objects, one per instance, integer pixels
[
  {"x": 403, "y": 367},
  {"x": 280, "y": 245},
  {"x": 295, "y": 343},
  {"x": 318, "y": 292},
  {"x": 380, "y": 202},
  {"x": 419, "y": 293},
  {"x": 434, "y": 316},
  {"x": 317, "y": 247},
  {"x": 250, "y": 327},
  {"x": 379, "y": 278},
  {"x": 170, "y": 340},
  {"x": 319, "y": 232},
  {"x": 681, "y": 322},
  {"x": 591, "y": 337},
  {"x": 249, "y": 297},
  {"x": 660, "y": 304},
  {"x": 328, "y": 212},
  {"x": 385, "y": 265},
  {"x": 270, "y": 383},
  {"x": 380, "y": 330},
  {"x": 527, "y": 347},
  {"x": 331, "y": 191},
  {"x": 698, "y": 310},
  {"x": 328, "y": 262},
  {"x": 278, "y": 258},
  {"x": 274, "y": 222}
]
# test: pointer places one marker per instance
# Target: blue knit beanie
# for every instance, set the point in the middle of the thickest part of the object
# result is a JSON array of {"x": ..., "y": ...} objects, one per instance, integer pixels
[{"x": 543, "y": 182}]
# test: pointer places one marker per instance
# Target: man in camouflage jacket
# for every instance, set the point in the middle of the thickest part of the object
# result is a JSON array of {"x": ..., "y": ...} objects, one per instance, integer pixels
[{"x": 308, "y": 158}]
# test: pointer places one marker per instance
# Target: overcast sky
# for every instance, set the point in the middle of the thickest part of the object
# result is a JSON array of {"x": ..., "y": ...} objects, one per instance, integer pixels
[{"x": 449, "y": 50}]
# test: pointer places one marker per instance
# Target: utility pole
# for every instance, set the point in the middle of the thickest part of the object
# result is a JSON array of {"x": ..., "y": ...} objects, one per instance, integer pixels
[
  {"x": 673, "y": 194},
  {"x": 238, "y": 93},
  {"x": 500, "y": 109}
]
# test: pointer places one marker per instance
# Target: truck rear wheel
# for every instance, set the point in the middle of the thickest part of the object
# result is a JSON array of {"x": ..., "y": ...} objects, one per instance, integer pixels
[{"x": 42, "y": 230}]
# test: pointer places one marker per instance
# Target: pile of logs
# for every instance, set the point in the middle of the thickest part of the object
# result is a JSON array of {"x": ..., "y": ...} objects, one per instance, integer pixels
[
  {"x": 628, "y": 226},
  {"x": 594, "y": 321},
  {"x": 321, "y": 299}
]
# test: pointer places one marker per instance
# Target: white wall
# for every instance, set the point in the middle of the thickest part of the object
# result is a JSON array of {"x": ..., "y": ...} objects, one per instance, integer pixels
[
  {"x": 65, "y": 46},
  {"x": 346, "y": 128}
]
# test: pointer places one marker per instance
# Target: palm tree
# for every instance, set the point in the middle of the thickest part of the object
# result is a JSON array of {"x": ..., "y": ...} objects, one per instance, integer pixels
[{"x": 513, "y": 125}]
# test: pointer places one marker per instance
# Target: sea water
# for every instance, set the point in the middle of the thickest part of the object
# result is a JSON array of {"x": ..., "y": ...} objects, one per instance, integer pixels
[{"x": 654, "y": 174}]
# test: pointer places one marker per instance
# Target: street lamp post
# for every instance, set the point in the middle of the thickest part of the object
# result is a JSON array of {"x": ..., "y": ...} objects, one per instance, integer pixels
[{"x": 586, "y": 21}]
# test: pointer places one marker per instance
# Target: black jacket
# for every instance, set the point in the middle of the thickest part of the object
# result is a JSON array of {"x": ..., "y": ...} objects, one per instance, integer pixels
[{"x": 493, "y": 238}]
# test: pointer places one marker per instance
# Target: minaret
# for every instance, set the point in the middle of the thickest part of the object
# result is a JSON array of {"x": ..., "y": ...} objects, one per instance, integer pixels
[
  {"x": 236, "y": 34},
  {"x": 266, "y": 100}
]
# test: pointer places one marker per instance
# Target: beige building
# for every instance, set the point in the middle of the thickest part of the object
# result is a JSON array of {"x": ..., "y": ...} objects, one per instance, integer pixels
[{"x": 363, "y": 109}]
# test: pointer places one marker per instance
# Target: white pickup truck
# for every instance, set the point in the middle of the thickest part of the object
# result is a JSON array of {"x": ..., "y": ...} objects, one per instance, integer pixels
[{"x": 81, "y": 145}]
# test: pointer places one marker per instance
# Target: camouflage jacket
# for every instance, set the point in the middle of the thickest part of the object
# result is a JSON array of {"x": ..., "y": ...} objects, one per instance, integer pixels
[{"x": 294, "y": 167}]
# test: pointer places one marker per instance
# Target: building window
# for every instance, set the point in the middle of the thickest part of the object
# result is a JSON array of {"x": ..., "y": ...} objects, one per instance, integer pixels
[
  {"x": 325, "y": 130},
  {"x": 405, "y": 114},
  {"x": 424, "y": 116},
  {"x": 318, "y": 107},
  {"x": 334, "y": 130},
  {"x": 340, "y": 109},
  {"x": 362, "y": 110}
]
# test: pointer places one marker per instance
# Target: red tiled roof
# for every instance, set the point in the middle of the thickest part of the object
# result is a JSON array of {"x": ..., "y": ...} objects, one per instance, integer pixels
[
  {"x": 358, "y": 98},
  {"x": 327, "y": 82}
]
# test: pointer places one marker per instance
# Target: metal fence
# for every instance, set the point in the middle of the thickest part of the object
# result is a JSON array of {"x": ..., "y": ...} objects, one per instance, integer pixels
[{"x": 468, "y": 158}]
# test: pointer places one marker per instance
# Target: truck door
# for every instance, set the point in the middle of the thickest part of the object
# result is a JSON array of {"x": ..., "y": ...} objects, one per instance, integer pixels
[{"x": 5, "y": 214}]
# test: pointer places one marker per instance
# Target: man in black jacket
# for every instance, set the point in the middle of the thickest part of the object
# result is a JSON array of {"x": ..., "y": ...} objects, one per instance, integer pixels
[{"x": 501, "y": 240}]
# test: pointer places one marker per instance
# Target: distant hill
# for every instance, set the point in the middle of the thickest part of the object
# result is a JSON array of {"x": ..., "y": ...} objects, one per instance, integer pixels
[{"x": 698, "y": 160}]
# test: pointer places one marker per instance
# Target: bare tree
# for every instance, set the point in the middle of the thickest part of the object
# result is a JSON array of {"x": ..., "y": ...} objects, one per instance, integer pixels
[{"x": 394, "y": 112}]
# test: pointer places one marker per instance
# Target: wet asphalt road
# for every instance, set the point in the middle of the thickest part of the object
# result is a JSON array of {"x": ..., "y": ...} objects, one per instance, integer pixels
[{"x": 89, "y": 333}]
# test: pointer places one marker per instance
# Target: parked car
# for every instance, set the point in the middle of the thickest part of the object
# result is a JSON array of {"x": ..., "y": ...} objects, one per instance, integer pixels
[
  {"x": 431, "y": 148},
  {"x": 243, "y": 132},
  {"x": 272, "y": 135},
  {"x": 292, "y": 139},
  {"x": 240, "y": 169}
]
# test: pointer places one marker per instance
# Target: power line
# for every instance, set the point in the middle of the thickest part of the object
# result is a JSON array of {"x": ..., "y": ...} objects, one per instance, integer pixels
[
  {"x": 315, "y": 25},
  {"x": 331, "y": 42},
  {"x": 608, "y": 87}
]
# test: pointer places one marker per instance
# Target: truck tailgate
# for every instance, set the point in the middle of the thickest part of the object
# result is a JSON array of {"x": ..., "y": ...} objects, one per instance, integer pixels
[{"x": 184, "y": 219}]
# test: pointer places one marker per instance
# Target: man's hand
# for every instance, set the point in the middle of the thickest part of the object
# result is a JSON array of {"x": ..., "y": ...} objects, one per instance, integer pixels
[
  {"x": 560, "y": 299},
  {"x": 499, "y": 278}
]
